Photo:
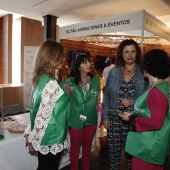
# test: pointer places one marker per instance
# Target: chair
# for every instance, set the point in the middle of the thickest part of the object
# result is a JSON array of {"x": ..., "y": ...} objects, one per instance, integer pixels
[{"x": 11, "y": 110}]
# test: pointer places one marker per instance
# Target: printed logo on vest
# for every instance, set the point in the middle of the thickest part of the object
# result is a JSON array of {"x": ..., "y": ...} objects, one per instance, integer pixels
[
  {"x": 94, "y": 93},
  {"x": 137, "y": 110}
]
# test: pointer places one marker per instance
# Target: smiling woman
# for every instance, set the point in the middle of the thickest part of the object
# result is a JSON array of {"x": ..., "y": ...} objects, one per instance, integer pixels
[{"x": 83, "y": 89}]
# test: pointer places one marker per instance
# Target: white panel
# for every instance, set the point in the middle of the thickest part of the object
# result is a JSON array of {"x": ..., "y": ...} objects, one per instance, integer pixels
[
  {"x": 116, "y": 23},
  {"x": 29, "y": 54},
  {"x": 156, "y": 27}
]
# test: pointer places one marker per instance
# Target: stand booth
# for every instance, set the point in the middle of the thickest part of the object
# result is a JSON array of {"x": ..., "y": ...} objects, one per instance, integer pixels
[{"x": 139, "y": 23}]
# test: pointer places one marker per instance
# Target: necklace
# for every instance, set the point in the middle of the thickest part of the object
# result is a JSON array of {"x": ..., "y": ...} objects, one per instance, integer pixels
[
  {"x": 86, "y": 84},
  {"x": 129, "y": 69}
]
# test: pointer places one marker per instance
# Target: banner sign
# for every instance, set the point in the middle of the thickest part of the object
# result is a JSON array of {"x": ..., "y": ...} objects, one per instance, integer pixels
[
  {"x": 156, "y": 27},
  {"x": 116, "y": 23},
  {"x": 29, "y": 54}
]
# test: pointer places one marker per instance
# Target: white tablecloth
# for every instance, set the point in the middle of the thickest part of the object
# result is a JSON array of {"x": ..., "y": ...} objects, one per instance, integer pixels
[
  {"x": 15, "y": 156},
  {"x": 13, "y": 153}
]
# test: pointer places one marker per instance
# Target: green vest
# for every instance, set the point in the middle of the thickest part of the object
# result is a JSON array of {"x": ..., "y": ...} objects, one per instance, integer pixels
[
  {"x": 83, "y": 103},
  {"x": 56, "y": 130},
  {"x": 150, "y": 146}
]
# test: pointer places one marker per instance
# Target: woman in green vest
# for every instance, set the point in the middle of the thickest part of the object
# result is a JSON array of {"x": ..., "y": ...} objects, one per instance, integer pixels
[
  {"x": 48, "y": 107},
  {"x": 149, "y": 139},
  {"x": 83, "y": 89}
]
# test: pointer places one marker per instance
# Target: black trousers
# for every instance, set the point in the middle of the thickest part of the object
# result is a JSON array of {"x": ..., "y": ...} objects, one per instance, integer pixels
[
  {"x": 117, "y": 135},
  {"x": 49, "y": 161}
]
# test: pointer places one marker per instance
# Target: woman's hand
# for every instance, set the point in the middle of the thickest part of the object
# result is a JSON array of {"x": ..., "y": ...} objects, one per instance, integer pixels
[
  {"x": 125, "y": 116},
  {"x": 106, "y": 124},
  {"x": 127, "y": 102},
  {"x": 30, "y": 148}
]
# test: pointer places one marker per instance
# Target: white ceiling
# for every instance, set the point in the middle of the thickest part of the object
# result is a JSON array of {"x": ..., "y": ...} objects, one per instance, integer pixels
[{"x": 75, "y": 11}]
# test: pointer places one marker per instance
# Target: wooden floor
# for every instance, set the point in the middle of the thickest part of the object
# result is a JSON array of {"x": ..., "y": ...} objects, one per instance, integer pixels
[{"x": 100, "y": 157}]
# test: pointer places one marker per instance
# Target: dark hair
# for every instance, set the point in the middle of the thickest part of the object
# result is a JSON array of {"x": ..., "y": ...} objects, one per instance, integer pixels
[
  {"x": 119, "y": 56},
  {"x": 75, "y": 65},
  {"x": 157, "y": 63}
]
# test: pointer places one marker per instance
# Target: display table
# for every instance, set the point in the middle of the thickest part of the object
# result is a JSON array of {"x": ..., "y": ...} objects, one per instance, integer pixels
[
  {"x": 13, "y": 153},
  {"x": 15, "y": 156}
]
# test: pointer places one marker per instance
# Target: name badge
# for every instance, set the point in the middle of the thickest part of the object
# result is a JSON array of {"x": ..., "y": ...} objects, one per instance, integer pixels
[{"x": 82, "y": 117}]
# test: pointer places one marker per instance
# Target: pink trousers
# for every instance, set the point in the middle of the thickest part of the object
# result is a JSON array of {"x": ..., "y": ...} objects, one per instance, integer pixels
[
  {"x": 80, "y": 138},
  {"x": 138, "y": 164}
]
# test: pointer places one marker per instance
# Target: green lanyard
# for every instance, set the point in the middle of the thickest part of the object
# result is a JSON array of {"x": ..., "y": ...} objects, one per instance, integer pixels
[
  {"x": 153, "y": 83},
  {"x": 84, "y": 92}
]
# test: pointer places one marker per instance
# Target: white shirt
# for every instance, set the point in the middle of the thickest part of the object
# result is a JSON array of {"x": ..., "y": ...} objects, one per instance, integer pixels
[
  {"x": 106, "y": 72},
  {"x": 50, "y": 94}
]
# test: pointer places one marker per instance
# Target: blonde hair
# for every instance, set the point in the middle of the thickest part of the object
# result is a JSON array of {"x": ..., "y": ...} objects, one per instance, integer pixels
[{"x": 48, "y": 56}]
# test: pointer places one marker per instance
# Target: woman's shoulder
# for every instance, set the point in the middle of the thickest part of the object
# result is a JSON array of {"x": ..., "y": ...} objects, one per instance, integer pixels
[
  {"x": 95, "y": 76},
  {"x": 140, "y": 69},
  {"x": 43, "y": 76},
  {"x": 70, "y": 80},
  {"x": 116, "y": 70},
  {"x": 139, "y": 72},
  {"x": 46, "y": 78}
]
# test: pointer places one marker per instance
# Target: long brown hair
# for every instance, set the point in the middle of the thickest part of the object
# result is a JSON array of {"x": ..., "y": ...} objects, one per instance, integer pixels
[{"x": 48, "y": 56}]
